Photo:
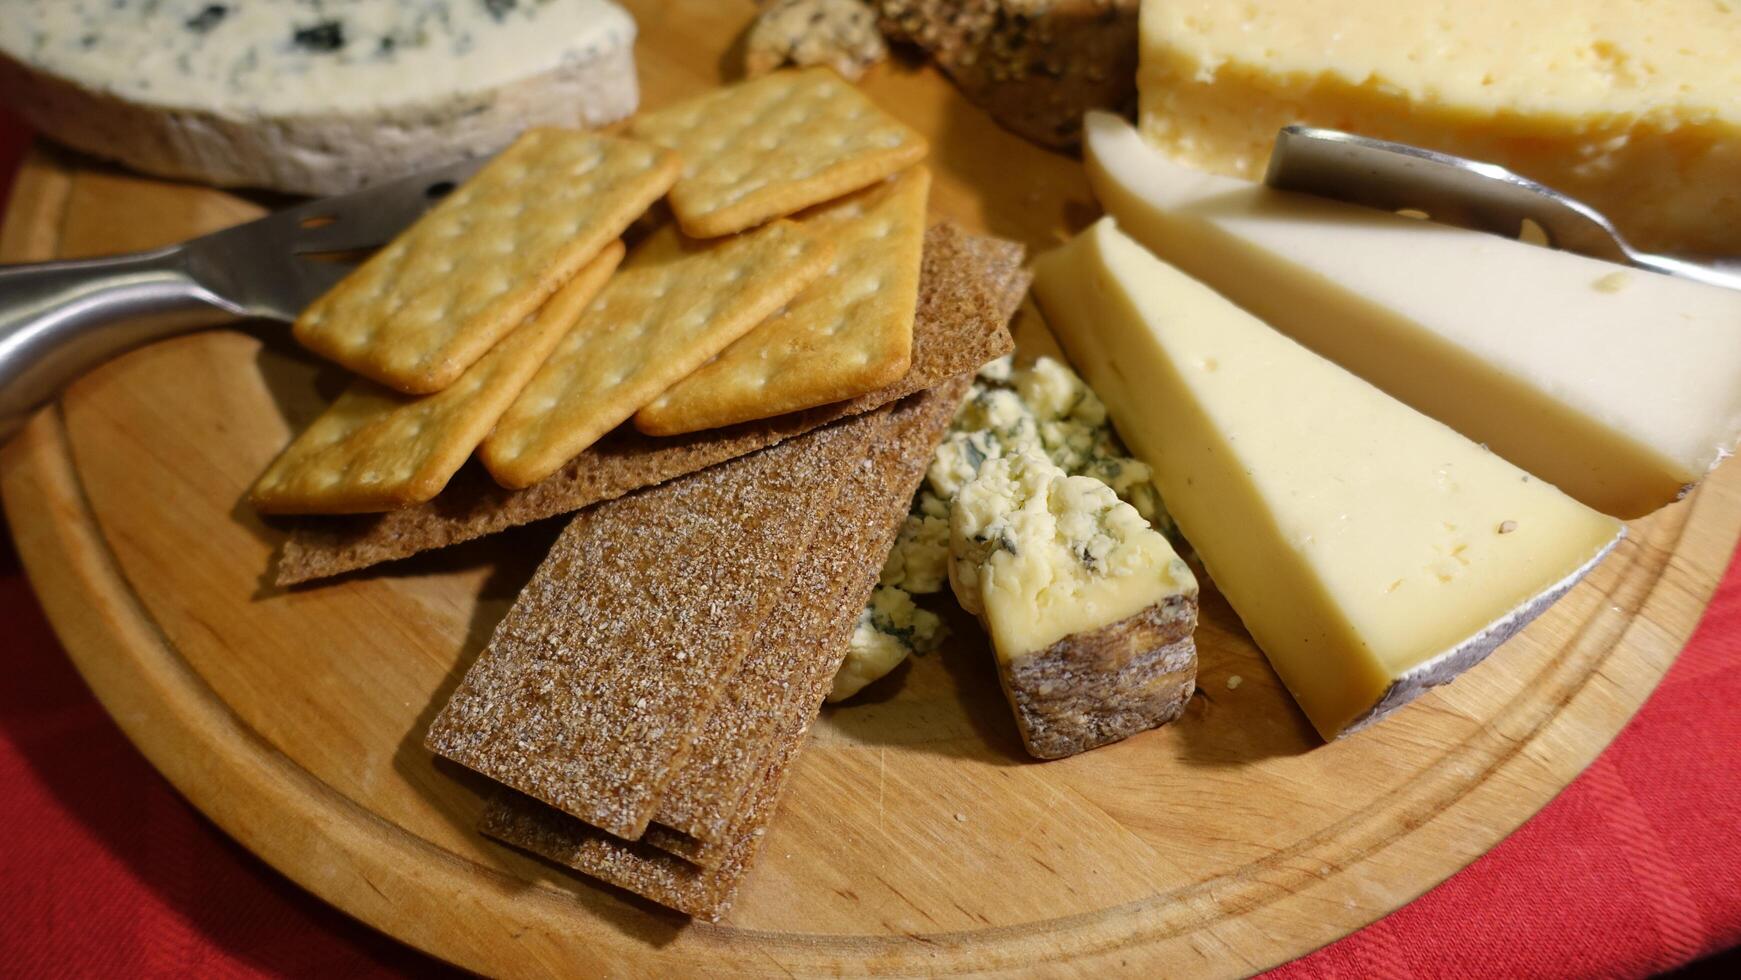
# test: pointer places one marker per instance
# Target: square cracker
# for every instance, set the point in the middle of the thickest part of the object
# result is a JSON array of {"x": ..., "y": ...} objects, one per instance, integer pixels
[
  {"x": 434, "y": 300},
  {"x": 775, "y": 146},
  {"x": 375, "y": 449},
  {"x": 968, "y": 288},
  {"x": 845, "y": 561},
  {"x": 850, "y": 332},
  {"x": 595, "y": 682},
  {"x": 675, "y": 304}
]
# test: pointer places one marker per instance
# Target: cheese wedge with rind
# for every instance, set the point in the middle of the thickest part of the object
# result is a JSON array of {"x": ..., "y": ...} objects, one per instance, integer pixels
[
  {"x": 1621, "y": 387},
  {"x": 1371, "y": 551}
]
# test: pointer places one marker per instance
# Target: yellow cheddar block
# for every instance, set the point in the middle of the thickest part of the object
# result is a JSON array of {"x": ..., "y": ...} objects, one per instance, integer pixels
[{"x": 1629, "y": 105}]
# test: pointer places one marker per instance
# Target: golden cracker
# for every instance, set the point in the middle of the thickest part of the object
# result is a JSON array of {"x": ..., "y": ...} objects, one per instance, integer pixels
[
  {"x": 675, "y": 304},
  {"x": 437, "y": 298},
  {"x": 775, "y": 146},
  {"x": 850, "y": 332},
  {"x": 594, "y": 684},
  {"x": 968, "y": 287},
  {"x": 375, "y": 449}
]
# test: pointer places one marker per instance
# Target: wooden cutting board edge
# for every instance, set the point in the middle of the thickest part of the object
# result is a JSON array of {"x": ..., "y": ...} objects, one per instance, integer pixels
[{"x": 486, "y": 921}]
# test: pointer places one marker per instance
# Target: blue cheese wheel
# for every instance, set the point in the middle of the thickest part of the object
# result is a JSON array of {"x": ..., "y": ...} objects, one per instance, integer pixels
[{"x": 312, "y": 98}]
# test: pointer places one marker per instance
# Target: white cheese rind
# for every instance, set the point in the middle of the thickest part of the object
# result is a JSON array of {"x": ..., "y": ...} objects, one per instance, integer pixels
[
  {"x": 304, "y": 121},
  {"x": 1369, "y": 550},
  {"x": 1617, "y": 385}
]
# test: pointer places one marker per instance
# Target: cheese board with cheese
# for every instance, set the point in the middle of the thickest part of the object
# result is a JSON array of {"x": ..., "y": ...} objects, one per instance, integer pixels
[{"x": 496, "y": 601}]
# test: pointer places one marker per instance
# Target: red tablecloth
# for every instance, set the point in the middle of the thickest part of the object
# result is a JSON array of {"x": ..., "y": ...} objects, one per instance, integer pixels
[{"x": 105, "y": 871}]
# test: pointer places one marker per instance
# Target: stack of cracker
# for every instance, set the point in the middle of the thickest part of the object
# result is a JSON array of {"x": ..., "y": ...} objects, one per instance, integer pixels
[{"x": 739, "y": 405}]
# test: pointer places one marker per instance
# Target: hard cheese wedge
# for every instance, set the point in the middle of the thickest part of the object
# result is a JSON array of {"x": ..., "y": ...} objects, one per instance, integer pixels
[
  {"x": 1619, "y": 386},
  {"x": 1371, "y": 551}
]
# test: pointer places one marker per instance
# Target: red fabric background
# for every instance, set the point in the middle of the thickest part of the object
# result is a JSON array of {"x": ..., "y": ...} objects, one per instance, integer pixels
[{"x": 105, "y": 871}]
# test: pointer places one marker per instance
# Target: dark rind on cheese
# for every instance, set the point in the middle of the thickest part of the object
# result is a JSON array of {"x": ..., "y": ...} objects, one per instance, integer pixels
[
  {"x": 1447, "y": 666},
  {"x": 969, "y": 287},
  {"x": 1097, "y": 687},
  {"x": 844, "y": 564}
]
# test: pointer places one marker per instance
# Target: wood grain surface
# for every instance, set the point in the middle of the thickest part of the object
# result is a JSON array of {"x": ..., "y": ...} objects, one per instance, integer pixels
[{"x": 916, "y": 836}]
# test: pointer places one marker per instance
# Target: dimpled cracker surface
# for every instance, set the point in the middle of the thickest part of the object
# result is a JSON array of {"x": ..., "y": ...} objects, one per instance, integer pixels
[
  {"x": 775, "y": 146},
  {"x": 376, "y": 449},
  {"x": 434, "y": 300},
  {"x": 594, "y": 684},
  {"x": 839, "y": 572},
  {"x": 969, "y": 286},
  {"x": 676, "y": 303},
  {"x": 850, "y": 332}
]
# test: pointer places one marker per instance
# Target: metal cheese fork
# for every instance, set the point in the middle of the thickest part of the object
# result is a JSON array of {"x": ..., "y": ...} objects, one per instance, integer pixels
[
  {"x": 1457, "y": 191},
  {"x": 60, "y": 319}
]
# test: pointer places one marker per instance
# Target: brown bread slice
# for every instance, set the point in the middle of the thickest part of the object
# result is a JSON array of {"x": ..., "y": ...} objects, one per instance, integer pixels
[
  {"x": 969, "y": 287},
  {"x": 839, "y": 570},
  {"x": 833, "y": 582},
  {"x": 614, "y": 654}
]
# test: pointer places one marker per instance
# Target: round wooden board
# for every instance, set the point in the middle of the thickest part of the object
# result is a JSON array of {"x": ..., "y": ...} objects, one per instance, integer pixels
[{"x": 916, "y": 836}]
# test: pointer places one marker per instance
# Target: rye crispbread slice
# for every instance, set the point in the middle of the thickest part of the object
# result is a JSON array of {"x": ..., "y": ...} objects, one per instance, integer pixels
[
  {"x": 726, "y": 757},
  {"x": 833, "y": 582},
  {"x": 969, "y": 286},
  {"x": 614, "y": 654}
]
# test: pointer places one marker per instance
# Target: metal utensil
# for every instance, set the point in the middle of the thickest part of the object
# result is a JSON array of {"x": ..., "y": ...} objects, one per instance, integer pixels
[
  {"x": 60, "y": 319},
  {"x": 1457, "y": 191}
]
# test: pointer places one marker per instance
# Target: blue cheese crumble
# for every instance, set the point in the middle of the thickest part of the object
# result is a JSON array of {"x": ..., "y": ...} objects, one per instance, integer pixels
[
  {"x": 890, "y": 629},
  {"x": 1045, "y": 409}
]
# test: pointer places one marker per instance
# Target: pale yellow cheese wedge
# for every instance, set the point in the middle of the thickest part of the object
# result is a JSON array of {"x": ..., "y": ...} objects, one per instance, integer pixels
[
  {"x": 1371, "y": 551},
  {"x": 1619, "y": 386}
]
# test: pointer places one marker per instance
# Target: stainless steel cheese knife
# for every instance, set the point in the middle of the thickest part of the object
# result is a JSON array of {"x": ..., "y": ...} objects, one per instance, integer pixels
[
  {"x": 1467, "y": 193},
  {"x": 60, "y": 319}
]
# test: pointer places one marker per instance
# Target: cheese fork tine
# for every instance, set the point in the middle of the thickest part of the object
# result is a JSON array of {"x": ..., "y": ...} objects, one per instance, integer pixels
[
  {"x": 60, "y": 319},
  {"x": 1457, "y": 191}
]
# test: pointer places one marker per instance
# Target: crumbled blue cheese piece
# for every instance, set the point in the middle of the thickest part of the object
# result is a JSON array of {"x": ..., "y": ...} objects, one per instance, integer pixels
[
  {"x": 1046, "y": 409},
  {"x": 890, "y": 629},
  {"x": 1040, "y": 555},
  {"x": 919, "y": 561}
]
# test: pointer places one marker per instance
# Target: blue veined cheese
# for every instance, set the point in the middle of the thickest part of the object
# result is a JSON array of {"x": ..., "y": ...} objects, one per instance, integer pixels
[
  {"x": 1048, "y": 408},
  {"x": 1044, "y": 408},
  {"x": 890, "y": 629},
  {"x": 311, "y": 97},
  {"x": 1089, "y": 609}
]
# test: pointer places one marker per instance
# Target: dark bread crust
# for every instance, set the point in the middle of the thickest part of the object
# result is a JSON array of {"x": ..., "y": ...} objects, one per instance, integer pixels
[
  {"x": 1036, "y": 67},
  {"x": 1090, "y": 689}
]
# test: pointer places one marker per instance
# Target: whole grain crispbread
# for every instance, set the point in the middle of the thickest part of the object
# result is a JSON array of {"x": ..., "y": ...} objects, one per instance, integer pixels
[
  {"x": 768, "y": 693},
  {"x": 611, "y": 658},
  {"x": 969, "y": 287},
  {"x": 834, "y": 580}
]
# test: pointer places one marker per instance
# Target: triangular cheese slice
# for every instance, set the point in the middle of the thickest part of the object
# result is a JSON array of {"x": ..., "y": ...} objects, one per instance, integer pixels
[
  {"x": 1622, "y": 387},
  {"x": 1371, "y": 551}
]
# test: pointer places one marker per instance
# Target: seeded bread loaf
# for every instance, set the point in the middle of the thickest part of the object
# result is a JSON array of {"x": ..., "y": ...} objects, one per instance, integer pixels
[{"x": 1035, "y": 65}]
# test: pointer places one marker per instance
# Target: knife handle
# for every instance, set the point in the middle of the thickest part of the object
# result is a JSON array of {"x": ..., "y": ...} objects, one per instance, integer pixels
[{"x": 61, "y": 319}]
